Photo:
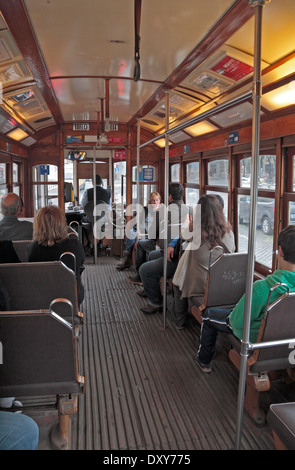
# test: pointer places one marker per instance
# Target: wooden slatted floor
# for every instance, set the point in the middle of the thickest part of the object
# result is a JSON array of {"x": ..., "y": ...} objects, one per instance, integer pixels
[{"x": 143, "y": 390}]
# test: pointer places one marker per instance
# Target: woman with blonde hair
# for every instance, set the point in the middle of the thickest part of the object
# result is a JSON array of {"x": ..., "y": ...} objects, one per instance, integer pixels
[
  {"x": 51, "y": 239},
  {"x": 149, "y": 211}
]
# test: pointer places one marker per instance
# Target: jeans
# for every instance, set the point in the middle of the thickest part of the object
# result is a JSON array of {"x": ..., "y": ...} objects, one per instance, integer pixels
[
  {"x": 151, "y": 273},
  {"x": 130, "y": 240},
  {"x": 18, "y": 432},
  {"x": 214, "y": 320},
  {"x": 143, "y": 248}
]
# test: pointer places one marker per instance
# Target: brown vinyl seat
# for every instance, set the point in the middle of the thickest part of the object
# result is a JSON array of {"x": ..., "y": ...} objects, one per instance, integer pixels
[
  {"x": 281, "y": 418},
  {"x": 278, "y": 325},
  {"x": 225, "y": 284},
  {"x": 20, "y": 247},
  {"x": 40, "y": 357},
  {"x": 33, "y": 286}
]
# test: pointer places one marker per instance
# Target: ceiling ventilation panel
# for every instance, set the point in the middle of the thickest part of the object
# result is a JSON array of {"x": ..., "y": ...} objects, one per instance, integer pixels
[
  {"x": 27, "y": 102},
  {"x": 210, "y": 83},
  {"x": 178, "y": 105}
]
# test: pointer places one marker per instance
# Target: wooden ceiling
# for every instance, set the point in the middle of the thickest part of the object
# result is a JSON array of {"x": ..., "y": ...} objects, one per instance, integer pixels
[{"x": 65, "y": 61}]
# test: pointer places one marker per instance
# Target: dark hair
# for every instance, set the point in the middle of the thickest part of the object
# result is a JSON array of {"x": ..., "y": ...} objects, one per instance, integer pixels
[
  {"x": 220, "y": 199},
  {"x": 176, "y": 191},
  {"x": 98, "y": 179},
  {"x": 286, "y": 240},
  {"x": 213, "y": 223}
]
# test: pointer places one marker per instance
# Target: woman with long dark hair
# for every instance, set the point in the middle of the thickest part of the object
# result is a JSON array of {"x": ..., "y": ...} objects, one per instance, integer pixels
[{"x": 190, "y": 277}]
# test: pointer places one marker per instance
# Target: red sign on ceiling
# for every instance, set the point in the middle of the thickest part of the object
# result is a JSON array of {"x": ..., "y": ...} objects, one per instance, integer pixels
[{"x": 232, "y": 68}]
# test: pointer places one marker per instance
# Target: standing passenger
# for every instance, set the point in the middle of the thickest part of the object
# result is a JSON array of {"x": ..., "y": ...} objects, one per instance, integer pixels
[{"x": 51, "y": 239}]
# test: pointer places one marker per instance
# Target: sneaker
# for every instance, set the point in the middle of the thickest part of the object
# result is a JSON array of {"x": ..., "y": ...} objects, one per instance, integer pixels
[
  {"x": 16, "y": 406},
  {"x": 135, "y": 280},
  {"x": 205, "y": 367}
]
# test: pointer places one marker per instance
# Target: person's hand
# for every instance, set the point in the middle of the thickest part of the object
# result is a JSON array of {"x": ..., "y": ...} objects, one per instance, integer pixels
[{"x": 170, "y": 253}]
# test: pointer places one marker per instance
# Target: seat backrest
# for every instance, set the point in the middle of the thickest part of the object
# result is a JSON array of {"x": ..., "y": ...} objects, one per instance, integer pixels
[
  {"x": 20, "y": 247},
  {"x": 226, "y": 280},
  {"x": 33, "y": 286},
  {"x": 39, "y": 355},
  {"x": 278, "y": 324}
]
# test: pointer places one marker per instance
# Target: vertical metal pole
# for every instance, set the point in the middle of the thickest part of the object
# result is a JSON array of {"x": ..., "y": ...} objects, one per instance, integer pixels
[
  {"x": 258, "y": 5},
  {"x": 137, "y": 179},
  {"x": 166, "y": 195},
  {"x": 94, "y": 203}
]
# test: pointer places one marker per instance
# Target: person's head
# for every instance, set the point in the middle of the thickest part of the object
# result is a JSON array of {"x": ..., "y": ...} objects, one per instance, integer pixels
[
  {"x": 11, "y": 204},
  {"x": 50, "y": 226},
  {"x": 220, "y": 199},
  {"x": 98, "y": 180},
  {"x": 213, "y": 223},
  {"x": 286, "y": 245},
  {"x": 176, "y": 191},
  {"x": 154, "y": 198}
]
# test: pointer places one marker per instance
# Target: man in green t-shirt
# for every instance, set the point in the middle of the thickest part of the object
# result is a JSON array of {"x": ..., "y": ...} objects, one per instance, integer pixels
[{"x": 231, "y": 321}]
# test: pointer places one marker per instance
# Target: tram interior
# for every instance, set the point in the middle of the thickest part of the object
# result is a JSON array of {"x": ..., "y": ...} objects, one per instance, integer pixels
[{"x": 102, "y": 82}]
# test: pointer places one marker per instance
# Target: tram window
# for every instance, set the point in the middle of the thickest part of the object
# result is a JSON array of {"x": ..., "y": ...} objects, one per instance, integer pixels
[
  {"x": 266, "y": 172},
  {"x": 2, "y": 173},
  {"x": 45, "y": 186},
  {"x": 264, "y": 229},
  {"x": 144, "y": 193},
  {"x": 291, "y": 212},
  {"x": 218, "y": 173},
  {"x": 175, "y": 173},
  {"x": 119, "y": 180},
  {"x": 3, "y": 181},
  {"x": 16, "y": 178},
  {"x": 192, "y": 172},
  {"x": 225, "y": 200},
  {"x": 191, "y": 196},
  {"x": 192, "y": 183}
]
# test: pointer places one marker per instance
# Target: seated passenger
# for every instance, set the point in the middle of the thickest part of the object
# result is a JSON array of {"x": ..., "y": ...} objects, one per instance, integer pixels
[
  {"x": 51, "y": 239},
  {"x": 190, "y": 276},
  {"x": 150, "y": 272},
  {"x": 232, "y": 321},
  {"x": 11, "y": 228},
  {"x": 18, "y": 432},
  {"x": 145, "y": 245}
]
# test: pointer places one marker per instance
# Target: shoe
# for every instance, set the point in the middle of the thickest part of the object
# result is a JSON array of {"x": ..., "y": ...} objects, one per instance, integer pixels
[
  {"x": 125, "y": 262},
  {"x": 205, "y": 367},
  {"x": 179, "y": 327},
  {"x": 135, "y": 280},
  {"x": 16, "y": 406},
  {"x": 149, "y": 309},
  {"x": 141, "y": 292}
]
